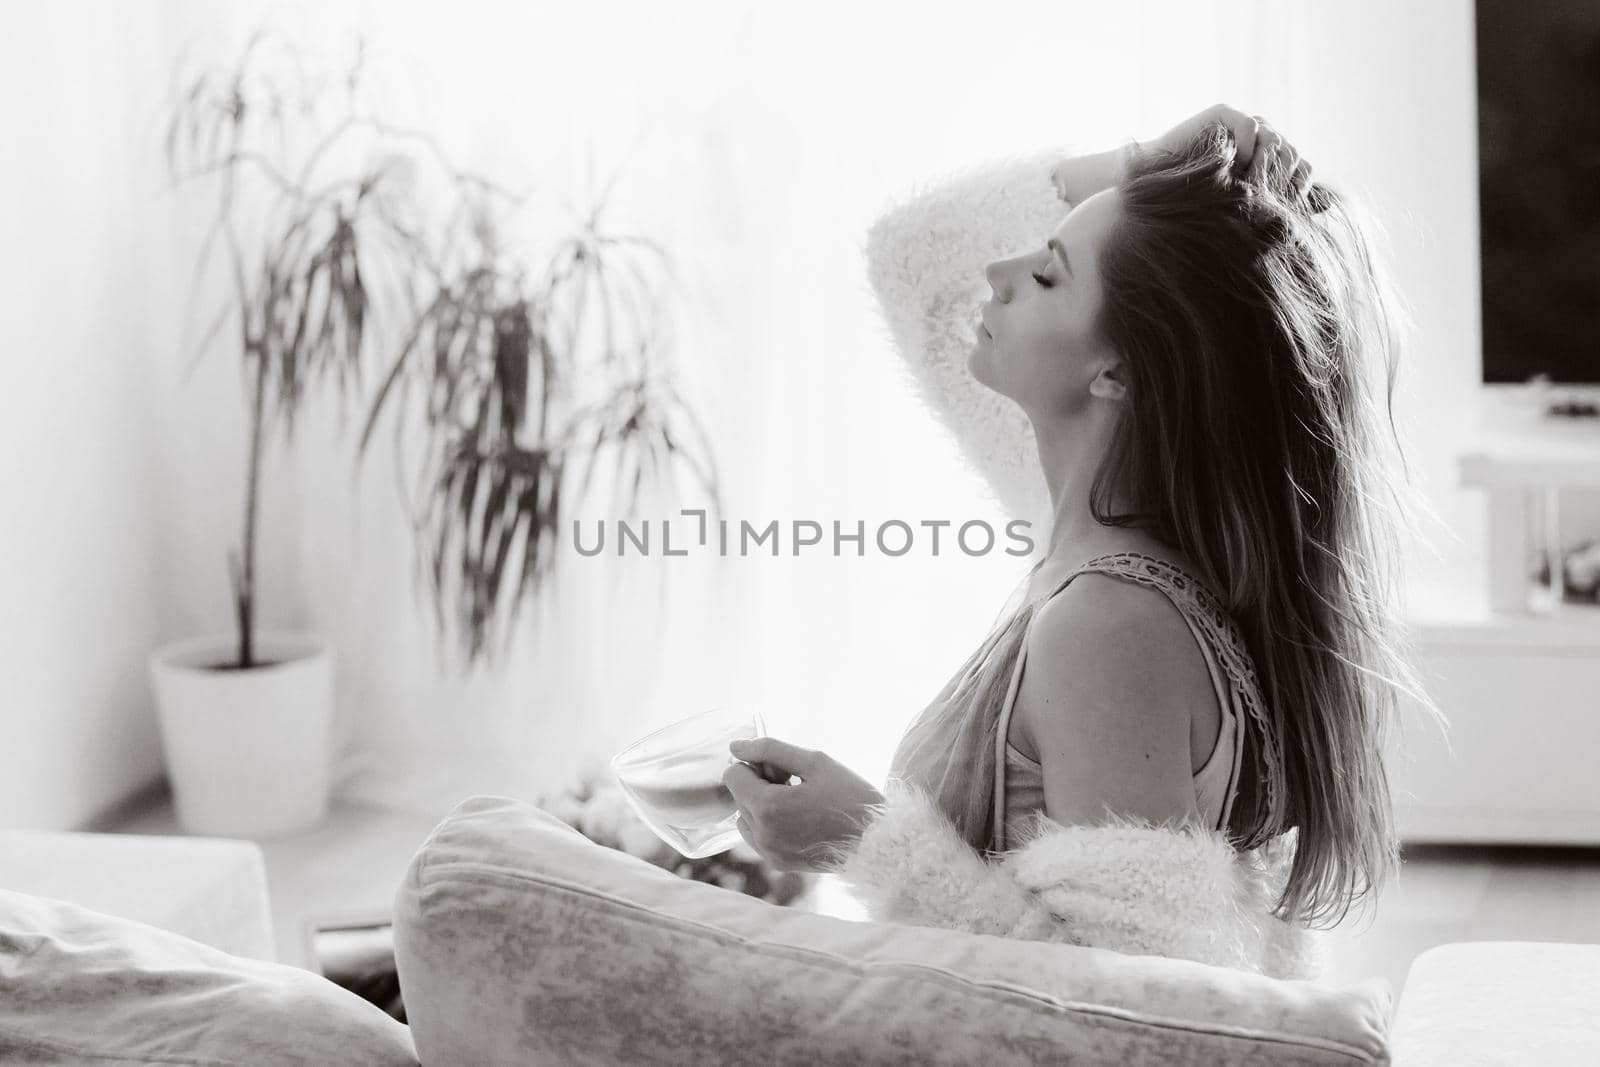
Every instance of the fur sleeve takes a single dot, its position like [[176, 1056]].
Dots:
[[911, 866], [925, 263], [1126, 886]]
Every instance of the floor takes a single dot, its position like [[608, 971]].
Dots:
[[1470, 893]]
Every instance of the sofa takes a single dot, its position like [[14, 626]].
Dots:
[[519, 941]]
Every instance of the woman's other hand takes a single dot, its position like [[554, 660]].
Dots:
[[796, 827], [1271, 148], [1244, 127], [1256, 145]]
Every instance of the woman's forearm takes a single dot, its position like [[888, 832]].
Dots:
[[1077, 178], [925, 259], [911, 866], [925, 263]]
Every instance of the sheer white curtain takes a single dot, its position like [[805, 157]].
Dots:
[[852, 112], [758, 143]]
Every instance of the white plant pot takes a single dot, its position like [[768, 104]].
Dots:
[[248, 752]]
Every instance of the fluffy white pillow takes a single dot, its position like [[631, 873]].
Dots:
[[78, 987]]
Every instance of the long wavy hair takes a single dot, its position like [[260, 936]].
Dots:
[[1260, 336]]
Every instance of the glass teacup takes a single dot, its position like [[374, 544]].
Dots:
[[673, 779]]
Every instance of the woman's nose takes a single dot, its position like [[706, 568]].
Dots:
[[998, 277]]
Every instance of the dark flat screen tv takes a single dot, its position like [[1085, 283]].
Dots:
[[1539, 188]]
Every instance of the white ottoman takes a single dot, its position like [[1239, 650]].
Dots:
[[1500, 1002], [209, 889]]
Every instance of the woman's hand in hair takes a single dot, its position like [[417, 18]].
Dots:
[[1244, 128], [1271, 146], [1256, 145]]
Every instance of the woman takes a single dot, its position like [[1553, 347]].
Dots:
[[1172, 742]]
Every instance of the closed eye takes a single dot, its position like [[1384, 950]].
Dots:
[[1044, 283]]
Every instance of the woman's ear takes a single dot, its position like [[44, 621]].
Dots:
[[1107, 383]]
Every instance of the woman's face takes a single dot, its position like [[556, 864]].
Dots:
[[1037, 343]]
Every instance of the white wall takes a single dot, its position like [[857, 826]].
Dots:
[[121, 478], [758, 145], [78, 574], [1391, 94]]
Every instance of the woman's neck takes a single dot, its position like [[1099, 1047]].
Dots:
[[1070, 453]]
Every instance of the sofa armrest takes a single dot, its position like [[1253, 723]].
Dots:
[[1483, 1002], [210, 890], [519, 940]]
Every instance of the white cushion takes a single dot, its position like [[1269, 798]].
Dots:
[[209, 889], [78, 987], [520, 941], [1498, 1002]]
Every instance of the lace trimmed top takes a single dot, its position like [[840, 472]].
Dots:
[[1019, 781], [957, 749]]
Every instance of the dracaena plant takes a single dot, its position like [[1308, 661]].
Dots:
[[512, 407], [531, 381], [303, 239]]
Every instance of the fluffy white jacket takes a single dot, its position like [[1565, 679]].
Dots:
[[1129, 887], [1125, 886]]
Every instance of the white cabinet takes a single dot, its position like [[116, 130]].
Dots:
[[1518, 675], [1520, 763]]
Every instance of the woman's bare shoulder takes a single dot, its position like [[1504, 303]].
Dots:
[[1113, 661], [1107, 699], [1099, 614]]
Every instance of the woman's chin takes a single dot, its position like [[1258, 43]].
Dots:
[[978, 363]]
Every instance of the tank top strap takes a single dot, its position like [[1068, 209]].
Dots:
[[1203, 608], [1200, 605]]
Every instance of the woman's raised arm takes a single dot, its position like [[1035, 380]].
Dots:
[[925, 261]]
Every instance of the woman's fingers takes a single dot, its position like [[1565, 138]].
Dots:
[[1245, 130], [775, 775], [1247, 139], [1273, 150], [1300, 181], [1266, 143], [780, 756], [744, 783], [1257, 170], [1241, 125]]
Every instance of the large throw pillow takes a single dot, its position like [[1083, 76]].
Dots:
[[520, 941], [78, 987]]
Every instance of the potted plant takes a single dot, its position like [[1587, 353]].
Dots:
[[529, 382], [246, 716], [516, 407]]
